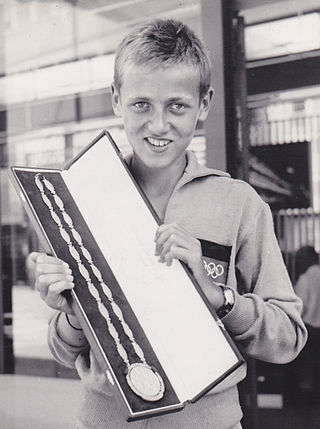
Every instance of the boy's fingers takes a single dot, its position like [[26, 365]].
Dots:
[[43, 258], [52, 268], [186, 255], [54, 297], [51, 294], [176, 237], [33, 256], [57, 288], [49, 279], [170, 234], [165, 227], [39, 257], [176, 252], [46, 280], [173, 240]]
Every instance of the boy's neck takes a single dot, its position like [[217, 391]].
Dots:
[[158, 183]]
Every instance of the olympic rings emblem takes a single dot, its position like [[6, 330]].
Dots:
[[213, 270]]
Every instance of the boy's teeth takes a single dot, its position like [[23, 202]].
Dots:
[[158, 142]]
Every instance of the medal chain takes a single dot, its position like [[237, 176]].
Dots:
[[42, 183]]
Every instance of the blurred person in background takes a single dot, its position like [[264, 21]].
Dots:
[[307, 287]]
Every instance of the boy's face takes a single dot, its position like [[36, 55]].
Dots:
[[160, 108]]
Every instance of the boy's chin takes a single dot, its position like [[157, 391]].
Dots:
[[162, 162]]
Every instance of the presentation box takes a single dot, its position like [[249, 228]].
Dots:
[[150, 325]]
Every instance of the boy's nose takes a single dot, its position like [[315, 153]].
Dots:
[[159, 123]]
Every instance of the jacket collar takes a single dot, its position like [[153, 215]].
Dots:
[[194, 169]]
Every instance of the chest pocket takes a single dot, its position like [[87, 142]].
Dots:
[[216, 259]]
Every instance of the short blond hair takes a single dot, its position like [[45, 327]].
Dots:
[[163, 43]]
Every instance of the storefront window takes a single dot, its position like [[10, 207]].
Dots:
[[56, 66]]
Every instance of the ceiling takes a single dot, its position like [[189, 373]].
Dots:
[[35, 33], [253, 10], [130, 10]]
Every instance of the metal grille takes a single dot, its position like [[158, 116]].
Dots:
[[294, 227], [291, 130]]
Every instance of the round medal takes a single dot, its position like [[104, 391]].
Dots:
[[145, 382]]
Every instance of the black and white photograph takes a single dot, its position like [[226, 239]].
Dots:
[[159, 214]]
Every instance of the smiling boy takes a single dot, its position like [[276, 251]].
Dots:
[[217, 225], [160, 107]]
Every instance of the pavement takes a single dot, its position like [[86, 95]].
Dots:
[[38, 402], [30, 323]]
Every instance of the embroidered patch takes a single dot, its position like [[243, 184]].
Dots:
[[213, 270], [216, 258]]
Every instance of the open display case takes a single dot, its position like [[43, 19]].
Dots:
[[149, 325]]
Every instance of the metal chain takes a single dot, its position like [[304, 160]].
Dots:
[[42, 183]]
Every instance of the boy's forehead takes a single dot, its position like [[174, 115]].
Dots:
[[170, 72]]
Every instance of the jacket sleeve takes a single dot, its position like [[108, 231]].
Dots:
[[81, 358], [63, 353], [266, 319]]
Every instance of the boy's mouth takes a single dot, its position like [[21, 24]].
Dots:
[[158, 142]]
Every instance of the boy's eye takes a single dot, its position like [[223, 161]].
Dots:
[[178, 107], [141, 105]]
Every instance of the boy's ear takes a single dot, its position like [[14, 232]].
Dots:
[[115, 100], [205, 104]]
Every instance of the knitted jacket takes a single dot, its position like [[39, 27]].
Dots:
[[265, 321]]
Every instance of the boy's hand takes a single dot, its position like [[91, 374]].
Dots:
[[52, 277], [174, 242]]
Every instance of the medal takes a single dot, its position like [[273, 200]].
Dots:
[[142, 379], [145, 381]]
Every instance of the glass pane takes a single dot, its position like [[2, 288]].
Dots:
[[56, 67], [283, 37]]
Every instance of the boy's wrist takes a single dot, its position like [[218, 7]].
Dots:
[[68, 331], [228, 301], [213, 293], [73, 322]]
